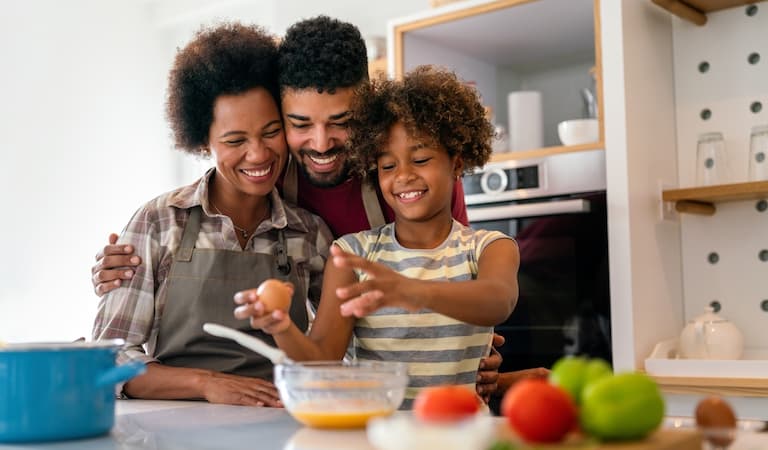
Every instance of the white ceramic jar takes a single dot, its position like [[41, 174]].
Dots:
[[710, 336]]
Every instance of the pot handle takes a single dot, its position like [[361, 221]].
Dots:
[[121, 373]]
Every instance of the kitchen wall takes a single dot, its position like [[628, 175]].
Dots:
[[84, 137]]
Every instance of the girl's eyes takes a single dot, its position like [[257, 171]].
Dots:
[[234, 142], [418, 162]]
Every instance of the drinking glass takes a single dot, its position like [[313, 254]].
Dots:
[[758, 150], [711, 162]]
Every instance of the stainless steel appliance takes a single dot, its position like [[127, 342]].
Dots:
[[555, 207]]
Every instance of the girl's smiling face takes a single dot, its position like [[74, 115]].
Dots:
[[416, 177]]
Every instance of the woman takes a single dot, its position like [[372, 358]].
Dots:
[[228, 231]]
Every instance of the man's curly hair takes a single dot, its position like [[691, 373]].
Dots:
[[433, 105], [227, 59], [322, 53]]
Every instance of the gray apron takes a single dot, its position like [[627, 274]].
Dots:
[[370, 200], [201, 285]]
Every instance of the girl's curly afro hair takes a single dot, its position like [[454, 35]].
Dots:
[[433, 105], [227, 59]]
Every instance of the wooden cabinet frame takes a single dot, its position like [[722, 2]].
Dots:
[[452, 14]]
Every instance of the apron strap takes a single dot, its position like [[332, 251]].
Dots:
[[189, 236], [291, 181], [281, 254], [372, 205]]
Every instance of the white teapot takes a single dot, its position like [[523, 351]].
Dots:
[[710, 336]]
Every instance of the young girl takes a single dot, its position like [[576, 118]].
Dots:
[[424, 289]]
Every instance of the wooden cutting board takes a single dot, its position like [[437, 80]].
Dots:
[[662, 439]]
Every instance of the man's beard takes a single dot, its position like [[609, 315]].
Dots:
[[325, 180]]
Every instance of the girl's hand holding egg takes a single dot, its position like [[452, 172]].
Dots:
[[266, 306], [275, 294]]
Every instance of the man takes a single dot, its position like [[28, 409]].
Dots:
[[321, 63]]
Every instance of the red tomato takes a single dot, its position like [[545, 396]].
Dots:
[[539, 411], [274, 294], [445, 403]]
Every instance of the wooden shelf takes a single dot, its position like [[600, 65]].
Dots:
[[738, 387], [546, 151], [701, 200], [695, 11]]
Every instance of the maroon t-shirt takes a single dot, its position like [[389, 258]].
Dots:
[[341, 207]]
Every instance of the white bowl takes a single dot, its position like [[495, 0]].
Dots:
[[578, 131]]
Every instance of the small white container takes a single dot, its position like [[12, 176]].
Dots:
[[525, 129], [578, 131]]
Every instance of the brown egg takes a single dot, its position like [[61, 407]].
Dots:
[[274, 294], [716, 419]]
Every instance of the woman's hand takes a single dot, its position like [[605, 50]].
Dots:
[[251, 308], [236, 390], [384, 287]]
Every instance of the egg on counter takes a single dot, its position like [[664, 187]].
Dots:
[[717, 421]]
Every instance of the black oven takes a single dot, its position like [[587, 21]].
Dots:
[[555, 207]]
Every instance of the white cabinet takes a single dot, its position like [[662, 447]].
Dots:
[[550, 46], [665, 268]]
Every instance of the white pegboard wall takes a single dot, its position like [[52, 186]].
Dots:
[[733, 46]]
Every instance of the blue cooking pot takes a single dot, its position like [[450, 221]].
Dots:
[[60, 391]]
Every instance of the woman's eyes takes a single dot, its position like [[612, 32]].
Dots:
[[421, 160], [234, 142], [272, 133]]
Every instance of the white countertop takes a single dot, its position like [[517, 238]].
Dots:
[[190, 425]]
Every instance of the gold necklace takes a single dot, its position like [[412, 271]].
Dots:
[[243, 231]]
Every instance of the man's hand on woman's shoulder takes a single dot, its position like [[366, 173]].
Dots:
[[114, 263]]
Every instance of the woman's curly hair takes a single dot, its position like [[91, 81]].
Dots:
[[433, 105], [322, 53], [227, 59]]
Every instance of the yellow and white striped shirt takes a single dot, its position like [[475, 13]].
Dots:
[[438, 349]]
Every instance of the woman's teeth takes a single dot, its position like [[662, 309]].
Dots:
[[257, 173]]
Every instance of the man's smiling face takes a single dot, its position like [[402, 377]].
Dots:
[[317, 131]]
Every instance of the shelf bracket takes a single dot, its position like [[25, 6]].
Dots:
[[682, 10], [695, 207]]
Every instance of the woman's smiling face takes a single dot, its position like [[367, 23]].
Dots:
[[247, 140], [416, 177]]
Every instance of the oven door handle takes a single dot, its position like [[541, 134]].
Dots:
[[514, 211]]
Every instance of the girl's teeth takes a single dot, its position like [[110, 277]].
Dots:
[[257, 173], [411, 194]]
